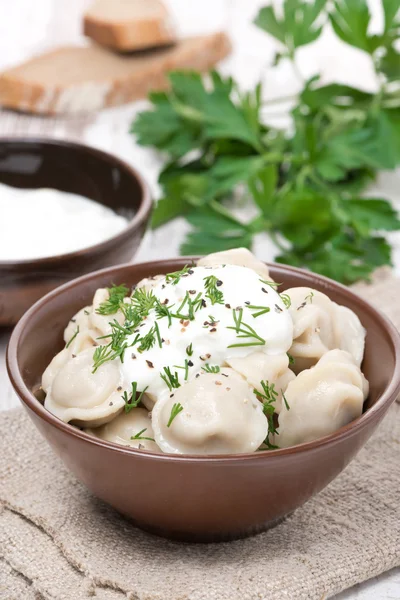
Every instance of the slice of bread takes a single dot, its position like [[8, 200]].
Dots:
[[75, 79], [129, 24]]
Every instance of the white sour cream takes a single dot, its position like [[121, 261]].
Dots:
[[209, 334], [46, 222]]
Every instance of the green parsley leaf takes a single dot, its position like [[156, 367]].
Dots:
[[369, 215], [298, 25], [350, 21], [305, 184]]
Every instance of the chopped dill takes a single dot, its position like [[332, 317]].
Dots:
[[186, 367], [176, 409], [139, 436], [211, 368], [286, 300], [73, 337], [171, 379], [261, 310], [133, 401], [212, 283], [245, 331], [175, 277], [117, 294]]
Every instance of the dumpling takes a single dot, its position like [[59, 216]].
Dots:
[[321, 325], [80, 320], [77, 343], [259, 367], [148, 283], [238, 256], [86, 398], [136, 424], [322, 399], [349, 332], [220, 415]]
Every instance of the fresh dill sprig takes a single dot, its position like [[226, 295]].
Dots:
[[212, 283], [148, 340], [211, 368], [73, 337], [133, 318], [237, 317], [261, 310], [133, 401], [101, 355], [171, 379], [189, 350], [143, 301], [139, 436], [116, 347], [176, 409], [193, 305], [268, 398], [245, 331], [162, 310], [186, 367], [175, 277], [117, 294]]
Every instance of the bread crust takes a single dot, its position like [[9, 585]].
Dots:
[[31, 87]]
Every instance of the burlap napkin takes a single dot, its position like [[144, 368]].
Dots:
[[61, 543]]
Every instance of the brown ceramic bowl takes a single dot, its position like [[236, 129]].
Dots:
[[191, 497], [34, 163]]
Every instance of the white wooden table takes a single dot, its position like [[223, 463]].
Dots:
[[28, 27]]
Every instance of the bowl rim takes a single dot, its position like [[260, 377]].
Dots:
[[29, 400], [140, 216]]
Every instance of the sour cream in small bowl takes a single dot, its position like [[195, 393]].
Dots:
[[65, 210]]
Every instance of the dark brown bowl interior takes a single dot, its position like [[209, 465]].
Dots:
[[70, 167], [213, 498]]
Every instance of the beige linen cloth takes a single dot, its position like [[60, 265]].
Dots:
[[60, 542]]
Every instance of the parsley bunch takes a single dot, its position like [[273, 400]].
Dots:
[[306, 182]]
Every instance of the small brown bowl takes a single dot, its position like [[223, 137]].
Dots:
[[35, 163], [191, 497]]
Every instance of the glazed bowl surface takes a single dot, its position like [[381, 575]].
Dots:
[[199, 498], [78, 169]]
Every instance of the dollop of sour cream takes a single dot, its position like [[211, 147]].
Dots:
[[249, 317], [46, 222]]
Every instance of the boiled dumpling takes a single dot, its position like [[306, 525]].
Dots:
[[86, 398], [136, 424], [238, 256], [322, 399], [259, 366], [220, 415], [79, 320], [77, 343], [321, 325], [148, 283], [349, 332]]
